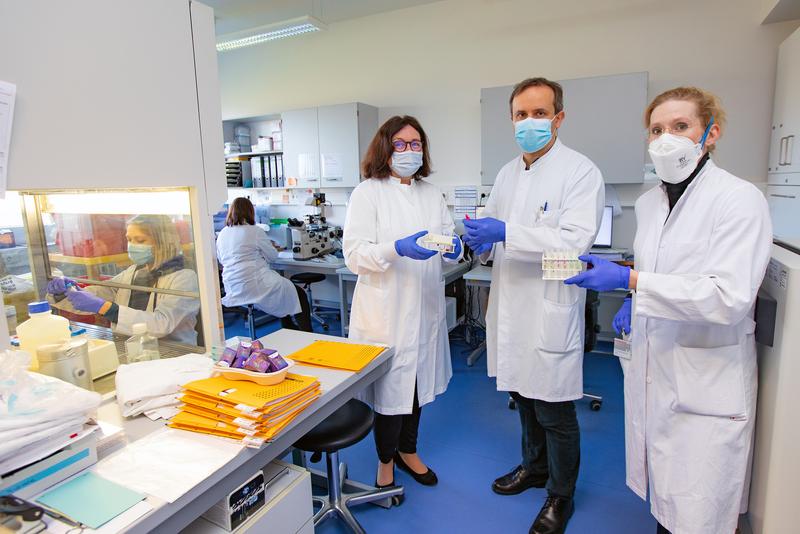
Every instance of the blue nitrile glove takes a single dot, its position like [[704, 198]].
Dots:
[[484, 230], [482, 249], [603, 276], [58, 286], [85, 301], [456, 251], [408, 247], [622, 320]]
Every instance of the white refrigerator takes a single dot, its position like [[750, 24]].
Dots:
[[776, 462]]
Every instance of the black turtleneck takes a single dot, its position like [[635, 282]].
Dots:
[[675, 191]]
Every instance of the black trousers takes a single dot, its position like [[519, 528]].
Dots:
[[551, 442], [661, 529], [302, 320], [397, 432]]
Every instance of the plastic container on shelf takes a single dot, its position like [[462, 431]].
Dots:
[[42, 328], [141, 346]]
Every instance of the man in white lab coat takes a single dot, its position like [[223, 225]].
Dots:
[[549, 198]]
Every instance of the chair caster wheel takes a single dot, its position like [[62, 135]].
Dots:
[[325, 328], [595, 405]]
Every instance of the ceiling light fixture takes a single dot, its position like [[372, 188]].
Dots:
[[263, 34]]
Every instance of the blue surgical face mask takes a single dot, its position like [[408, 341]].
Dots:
[[140, 254], [405, 164], [533, 134]]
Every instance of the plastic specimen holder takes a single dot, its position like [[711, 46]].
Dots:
[[437, 242], [560, 264]]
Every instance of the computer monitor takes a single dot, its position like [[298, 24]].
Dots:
[[604, 235]]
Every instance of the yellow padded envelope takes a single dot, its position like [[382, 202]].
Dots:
[[249, 396], [338, 355]]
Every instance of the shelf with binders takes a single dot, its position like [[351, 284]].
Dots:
[[256, 172], [249, 155]]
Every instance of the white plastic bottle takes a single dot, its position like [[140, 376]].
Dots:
[[141, 346], [42, 328]]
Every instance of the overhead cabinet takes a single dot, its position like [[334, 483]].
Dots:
[[784, 149], [324, 146]]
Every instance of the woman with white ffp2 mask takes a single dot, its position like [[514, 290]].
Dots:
[[703, 241]]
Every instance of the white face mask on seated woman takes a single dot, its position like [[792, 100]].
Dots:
[[675, 157]]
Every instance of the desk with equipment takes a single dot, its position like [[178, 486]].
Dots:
[[237, 467]]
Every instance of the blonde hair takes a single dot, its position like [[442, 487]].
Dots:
[[707, 104], [167, 242]]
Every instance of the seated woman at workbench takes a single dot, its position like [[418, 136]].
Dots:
[[154, 247], [245, 251]]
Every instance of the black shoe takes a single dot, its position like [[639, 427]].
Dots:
[[397, 500], [428, 478], [554, 516], [518, 481]]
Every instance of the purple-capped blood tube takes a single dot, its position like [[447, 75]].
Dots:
[[257, 362]]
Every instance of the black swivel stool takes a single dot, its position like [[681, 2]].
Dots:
[[304, 280], [345, 427]]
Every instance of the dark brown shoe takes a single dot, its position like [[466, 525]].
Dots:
[[518, 481], [554, 516]]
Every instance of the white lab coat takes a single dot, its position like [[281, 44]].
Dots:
[[245, 253], [399, 301], [168, 316], [690, 386], [534, 328]]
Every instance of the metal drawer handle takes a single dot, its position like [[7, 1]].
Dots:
[[781, 196]]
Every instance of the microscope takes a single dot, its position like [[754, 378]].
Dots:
[[313, 236]]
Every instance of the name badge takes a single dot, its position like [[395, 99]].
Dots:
[[622, 348]]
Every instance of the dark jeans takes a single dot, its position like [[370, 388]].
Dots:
[[397, 432], [551, 442], [661, 529], [302, 320]]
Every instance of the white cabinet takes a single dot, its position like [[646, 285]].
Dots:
[[323, 147], [784, 150], [301, 147]]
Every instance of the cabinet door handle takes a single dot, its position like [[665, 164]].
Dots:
[[781, 196], [781, 152], [789, 149]]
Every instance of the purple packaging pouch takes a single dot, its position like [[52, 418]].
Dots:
[[242, 353], [277, 362], [228, 355], [256, 345], [257, 362]]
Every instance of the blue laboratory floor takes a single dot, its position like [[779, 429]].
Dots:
[[470, 437]]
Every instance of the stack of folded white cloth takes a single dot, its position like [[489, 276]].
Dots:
[[37, 413], [153, 385]]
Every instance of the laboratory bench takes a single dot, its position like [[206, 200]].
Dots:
[[450, 273], [337, 388], [166, 348]]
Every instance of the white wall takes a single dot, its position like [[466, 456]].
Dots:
[[432, 60]]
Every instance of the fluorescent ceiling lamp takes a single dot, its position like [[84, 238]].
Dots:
[[289, 28]]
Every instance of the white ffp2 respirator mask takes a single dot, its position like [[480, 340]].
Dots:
[[676, 156]]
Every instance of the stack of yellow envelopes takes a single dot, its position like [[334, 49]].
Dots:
[[244, 410], [337, 355]]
